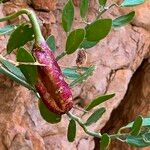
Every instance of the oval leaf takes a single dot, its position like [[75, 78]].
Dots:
[[13, 69], [30, 72], [102, 2], [84, 8], [20, 37], [145, 123], [95, 116], [12, 76], [83, 77], [74, 40], [138, 141], [129, 3], [122, 20], [105, 141], [135, 130], [98, 30], [146, 137], [71, 131], [87, 44], [68, 16], [47, 114], [7, 29], [73, 73], [51, 43], [98, 101]]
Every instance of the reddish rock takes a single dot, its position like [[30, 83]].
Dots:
[[45, 5], [117, 57]]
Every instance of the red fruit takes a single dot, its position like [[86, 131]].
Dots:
[[54, 91]]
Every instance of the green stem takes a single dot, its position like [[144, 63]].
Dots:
[[37, 31], [104, 10], [96, 134], [60, 56], [81, 123]]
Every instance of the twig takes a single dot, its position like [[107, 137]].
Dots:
[[60, 56], [81, 123], [119, 136], [105, 9], [80, 109]]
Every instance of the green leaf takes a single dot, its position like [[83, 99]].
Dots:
[[71, 73], [51, 43], [139, 141], [102, 2], [20, 37], [7, 29], [12, 68], [74, 72], [95, 32], [98, 101], [95, 116], [74, 40], [83, 77], [14, 77], [47, 114], [146, 137], [84, 8], [30, 72], [105, 141], [145, 123], [98, 30], [87, 44], [122, 20], [135, 130], [68, 16], [129, 3], [71, 131]]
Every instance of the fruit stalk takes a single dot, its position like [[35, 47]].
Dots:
[[52, 88]]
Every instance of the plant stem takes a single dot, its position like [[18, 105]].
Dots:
[[104, 10], [96, 134], [21, 63], [120, 136], [81, 123], [60, 56], [37, 31]]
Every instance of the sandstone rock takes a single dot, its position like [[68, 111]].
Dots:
[[117, 58], [45, 5]]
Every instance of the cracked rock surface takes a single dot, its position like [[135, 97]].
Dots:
[[117, 57]]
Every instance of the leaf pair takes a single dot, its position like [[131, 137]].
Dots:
[[99, 112], [142, 140], [74, 72], [92, 34], [136, 125], [82, 77], [138, 137]]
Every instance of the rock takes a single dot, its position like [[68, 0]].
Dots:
[[142, 13], [44, 5], [117, 57]]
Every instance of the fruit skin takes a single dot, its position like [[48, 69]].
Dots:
[[54, 91]]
